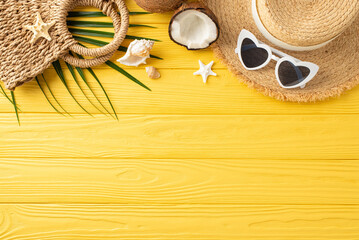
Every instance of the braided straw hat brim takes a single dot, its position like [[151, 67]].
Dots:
[[338, 61]]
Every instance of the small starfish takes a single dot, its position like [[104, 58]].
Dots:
[[205, 71], [40, 29]]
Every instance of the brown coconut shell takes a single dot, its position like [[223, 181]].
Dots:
[[198, 7], [159, 6]]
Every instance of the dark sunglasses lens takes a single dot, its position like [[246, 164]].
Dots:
[[291, 75], [252, 56]]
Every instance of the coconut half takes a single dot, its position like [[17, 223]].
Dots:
[[194, 26]]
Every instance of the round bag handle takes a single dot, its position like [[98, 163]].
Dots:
[[102, 54], [86, 63]]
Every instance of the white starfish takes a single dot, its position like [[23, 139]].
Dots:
[[40, 29], [205, 71]]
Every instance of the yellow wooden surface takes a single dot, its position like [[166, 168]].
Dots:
[[185, 161]]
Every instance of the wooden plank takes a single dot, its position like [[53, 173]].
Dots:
[[194, 222], [177, 92], [174, 181], [181, 136]]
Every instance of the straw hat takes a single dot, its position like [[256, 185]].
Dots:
[[324, 32]]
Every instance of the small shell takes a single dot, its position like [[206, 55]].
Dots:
[[137, 53], [153, 73]]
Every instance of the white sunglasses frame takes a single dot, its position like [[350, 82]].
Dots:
[[245, 34]]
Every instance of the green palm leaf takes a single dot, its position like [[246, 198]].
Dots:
[[61, 75], [139, 13], [81, 73], [103, 89], [95, 33], [100, 24], [7, 97], [14, 101], [53, 96], [72, 71], [48, 100], [126, 74], [100, 84], [99, 14]]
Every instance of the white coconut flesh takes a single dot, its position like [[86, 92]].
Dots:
[[194, 29]]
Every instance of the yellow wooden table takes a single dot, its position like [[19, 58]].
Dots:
[[185, 161]]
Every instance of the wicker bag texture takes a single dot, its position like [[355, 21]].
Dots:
[[22, 59]]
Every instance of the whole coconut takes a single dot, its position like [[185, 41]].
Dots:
[[159, 6]]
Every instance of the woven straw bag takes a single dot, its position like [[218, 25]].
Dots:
[[21, 60]]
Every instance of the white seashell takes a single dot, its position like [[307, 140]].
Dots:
[[137, 53], [153, 73]]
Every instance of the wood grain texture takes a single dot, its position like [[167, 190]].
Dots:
[[178, 181], [230, 222], [183, 94], [284, 137]]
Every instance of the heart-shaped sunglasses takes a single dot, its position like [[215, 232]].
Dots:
[[290, 72]]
